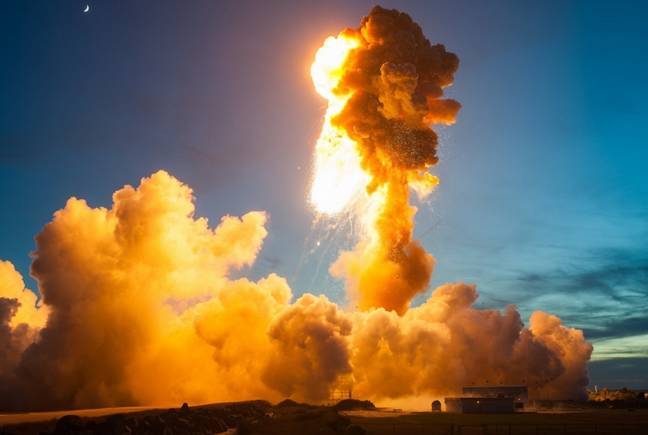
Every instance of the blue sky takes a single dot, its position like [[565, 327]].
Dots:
[[544, 194]]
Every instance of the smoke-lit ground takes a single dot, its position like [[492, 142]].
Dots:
[[138, 306]]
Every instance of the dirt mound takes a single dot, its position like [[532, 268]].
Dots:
[[353, 404], [288, 403]]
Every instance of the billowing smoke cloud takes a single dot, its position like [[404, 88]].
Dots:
[[311, 347], [21, 317], [127, 289], [446, 343], [395, 79], [28, 310], [390, 86], [141, 311]]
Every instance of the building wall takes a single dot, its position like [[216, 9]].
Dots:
[[480, 405], [453, 405], [518, 392]]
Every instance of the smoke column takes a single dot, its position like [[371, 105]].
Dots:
[[384, 83], [138, 305]]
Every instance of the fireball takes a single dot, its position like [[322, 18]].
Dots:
[[338, 177]]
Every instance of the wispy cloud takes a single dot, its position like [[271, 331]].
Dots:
[[607, 295], [635, 346]]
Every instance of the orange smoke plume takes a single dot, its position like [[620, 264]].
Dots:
[[384, 82]]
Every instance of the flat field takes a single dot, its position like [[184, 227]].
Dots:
[[604, 421], [262, 418]]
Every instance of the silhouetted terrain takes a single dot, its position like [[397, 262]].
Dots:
[[357, 418], [257, 417]]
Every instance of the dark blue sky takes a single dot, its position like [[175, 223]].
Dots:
[[544, 194]]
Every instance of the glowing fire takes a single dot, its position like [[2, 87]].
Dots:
[[338, 177]]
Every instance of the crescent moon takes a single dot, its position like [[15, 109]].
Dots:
[[87, 9]]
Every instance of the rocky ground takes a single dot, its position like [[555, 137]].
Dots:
[[243, 418]]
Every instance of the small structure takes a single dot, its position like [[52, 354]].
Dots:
[[436, 406], [480, 405], [519, 392], [489, 399], [341, 390]]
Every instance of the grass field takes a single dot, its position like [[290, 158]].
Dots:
[[609, 422]]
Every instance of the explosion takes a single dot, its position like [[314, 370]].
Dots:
[[339, 177], [384, 83], [138, 306]]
